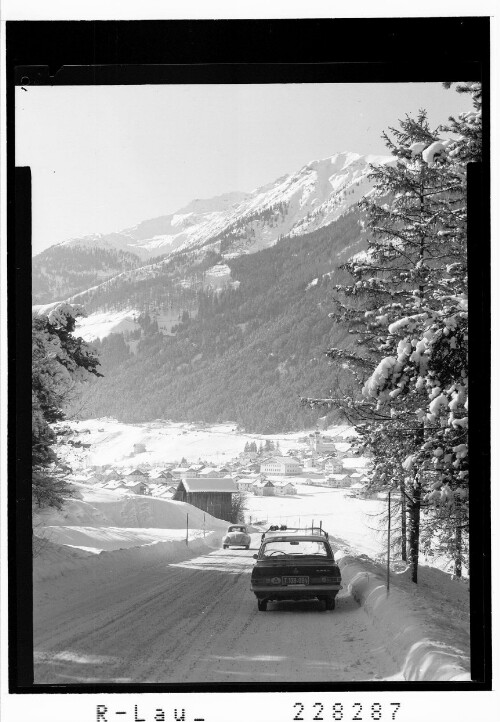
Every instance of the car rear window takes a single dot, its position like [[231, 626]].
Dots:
[[294, 547]]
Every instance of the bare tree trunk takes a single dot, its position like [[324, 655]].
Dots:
[[458, 543], [404, 540], [414, 527], [414, 514]]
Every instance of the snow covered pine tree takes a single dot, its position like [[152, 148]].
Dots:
[[59, 360], [407, 306]]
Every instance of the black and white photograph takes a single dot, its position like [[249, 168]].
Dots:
[[250, 378]]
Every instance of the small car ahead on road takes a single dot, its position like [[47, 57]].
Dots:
[[295, 565], [236, 536]]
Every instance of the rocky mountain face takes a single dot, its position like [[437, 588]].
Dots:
[[219, 311], [227, 225]]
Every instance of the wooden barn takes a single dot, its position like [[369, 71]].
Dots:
[[213, 495]]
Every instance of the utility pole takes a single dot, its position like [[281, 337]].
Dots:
[[187, 529], [388, 538]]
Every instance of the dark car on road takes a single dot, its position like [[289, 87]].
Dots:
[[295, 565]]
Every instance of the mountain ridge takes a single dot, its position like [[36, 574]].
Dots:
[[345, 168]]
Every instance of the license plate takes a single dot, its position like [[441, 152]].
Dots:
[[296, 580]]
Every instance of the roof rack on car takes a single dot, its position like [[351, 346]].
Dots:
[[295, 530]]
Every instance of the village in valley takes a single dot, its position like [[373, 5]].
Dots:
[[262, 468]]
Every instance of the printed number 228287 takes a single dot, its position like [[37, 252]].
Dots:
[[355, 712]]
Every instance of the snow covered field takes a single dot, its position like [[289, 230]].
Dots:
[[354, 522], [112, 442]]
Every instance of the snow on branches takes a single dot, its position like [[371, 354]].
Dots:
[[59, 360], [407, 309]]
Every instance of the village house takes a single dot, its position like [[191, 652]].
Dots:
[[165, 477], [338, 481], [110, 474], [333, 465], [264, 487], [139, 448], [282, 487], [245, 484], [136, 475], [178, 472], [190, 472], [210, 472], [213, 495], [316, 480], [114, 484], [281, 466], [319, 463], [358, 489], [164, 492], [137, 487]]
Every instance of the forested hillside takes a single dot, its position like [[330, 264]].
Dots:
[[248, 353], [62, 271]]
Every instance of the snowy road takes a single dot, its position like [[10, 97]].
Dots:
[[197, 621]]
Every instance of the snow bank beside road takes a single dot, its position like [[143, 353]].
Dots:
[[422, 636], [111, 530], [57, 561]]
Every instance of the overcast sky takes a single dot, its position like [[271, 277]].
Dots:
[[107, 157]]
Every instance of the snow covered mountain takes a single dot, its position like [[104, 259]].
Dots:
[[238, 282], [236, 223]]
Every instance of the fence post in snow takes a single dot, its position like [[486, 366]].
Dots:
[[203, 524], [187, 529]]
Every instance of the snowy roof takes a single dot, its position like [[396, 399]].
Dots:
[[114, 484], [281, 482], [282, 460], [136, 472], [214, 484]]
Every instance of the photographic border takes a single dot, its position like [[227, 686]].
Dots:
[[236, 51]]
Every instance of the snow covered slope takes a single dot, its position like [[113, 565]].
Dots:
[[112, 442], [294, 204], [104, 520]]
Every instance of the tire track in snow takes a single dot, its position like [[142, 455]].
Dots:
[[197, 621]]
